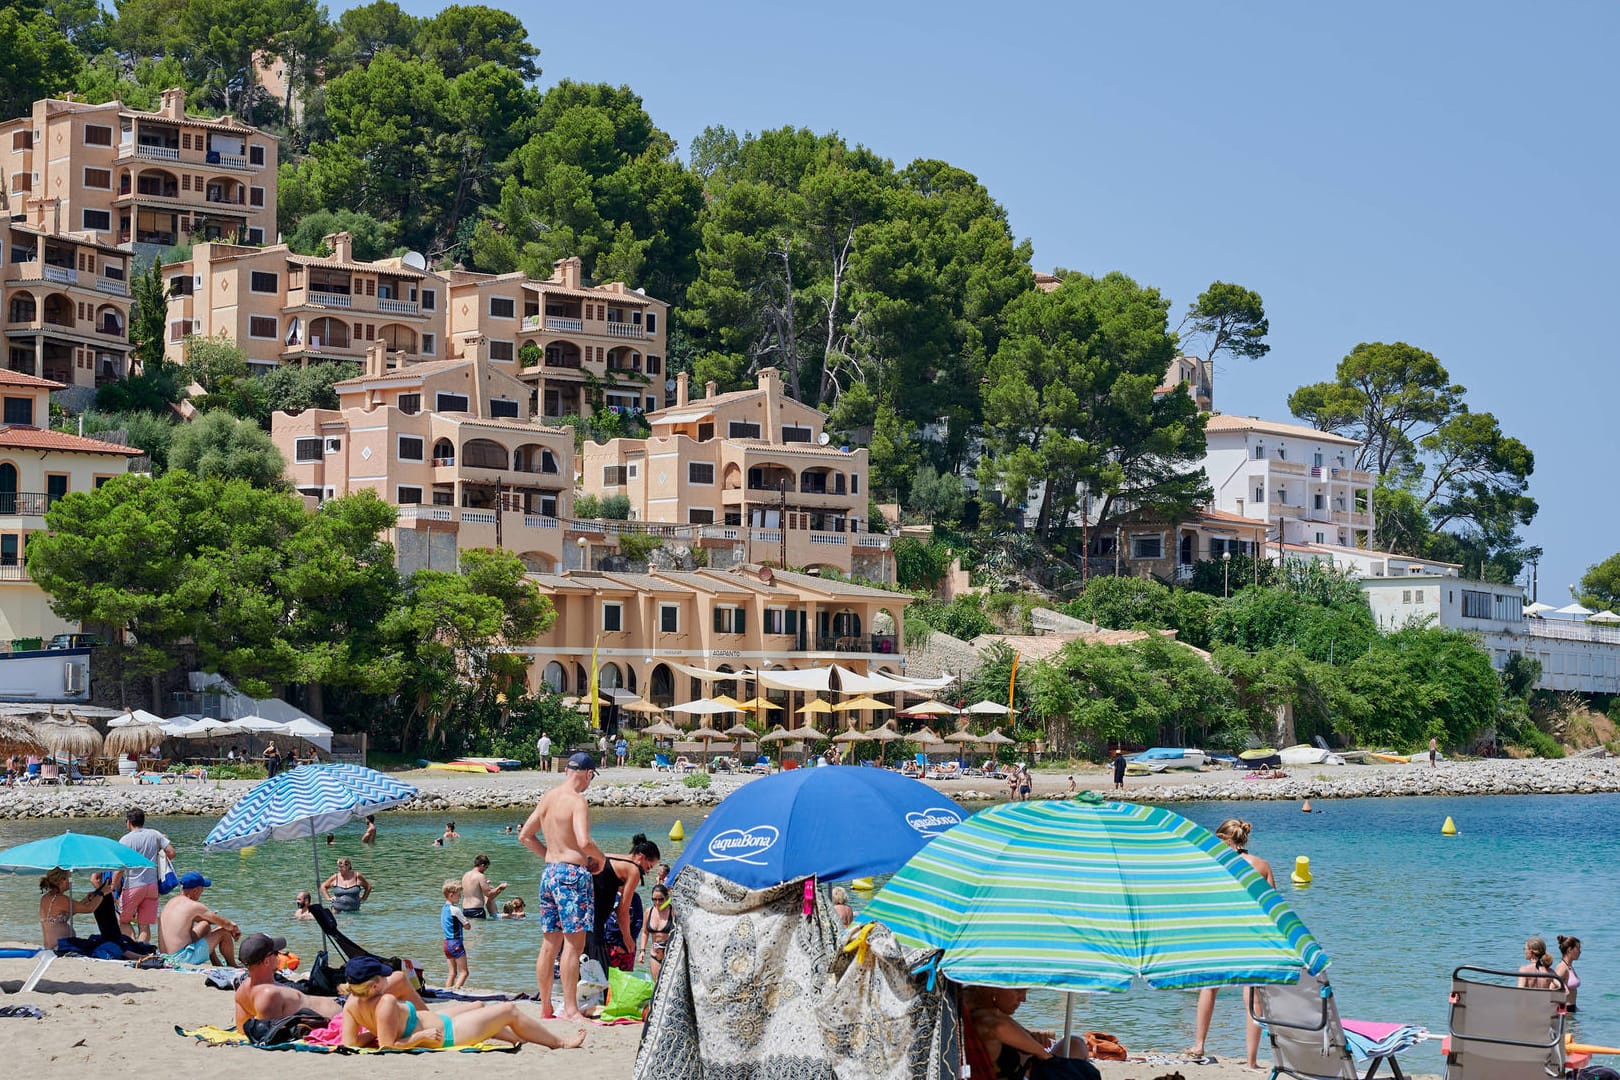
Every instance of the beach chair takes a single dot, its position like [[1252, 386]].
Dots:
[[922, 762], [762, 764], [1310, 1041], [661, 763], [1499, 1030], [946, 770], [78, 777], [684, 764], [42, 960]]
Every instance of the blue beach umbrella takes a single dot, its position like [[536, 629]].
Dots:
[[306, 801], [833, 823], [1090, 895], [71, 851]]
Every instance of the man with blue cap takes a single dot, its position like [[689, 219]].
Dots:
[[559, 831], [191, 932]]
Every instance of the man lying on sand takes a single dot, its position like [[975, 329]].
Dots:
[[187, 928], [261, 997]]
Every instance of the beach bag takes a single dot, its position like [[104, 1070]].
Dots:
[[1104, 1047], [168, 880], [627, 995], [323, 979]]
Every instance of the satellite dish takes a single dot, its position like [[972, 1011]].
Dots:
[[414, 260], [825, 439], [669, 386]]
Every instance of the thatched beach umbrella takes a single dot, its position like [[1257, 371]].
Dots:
[[645, 708], [17, 736], [133, 739], [69, 736], [661, 730], [707, 735]]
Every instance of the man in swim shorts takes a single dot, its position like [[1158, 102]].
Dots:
[[559, 831]]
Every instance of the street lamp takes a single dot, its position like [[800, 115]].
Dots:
[[584, 553], [1226, 574]]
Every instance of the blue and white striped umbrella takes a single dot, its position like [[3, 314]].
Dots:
[[305, 801]]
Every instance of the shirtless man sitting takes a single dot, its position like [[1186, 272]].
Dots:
[[261, 997], [559, 831], [189, 928]]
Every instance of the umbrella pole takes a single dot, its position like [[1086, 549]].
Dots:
[[1068, 1020], [315, 850]]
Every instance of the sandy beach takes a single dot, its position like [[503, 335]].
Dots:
[[108, 1019]]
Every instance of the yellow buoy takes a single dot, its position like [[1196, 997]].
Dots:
[[862, 884], [1302, 870], [245, 852], [677, 833], [1449, 828]]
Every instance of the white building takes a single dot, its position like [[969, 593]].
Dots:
[[1573, 655], [1297, 479], [1367, 563]]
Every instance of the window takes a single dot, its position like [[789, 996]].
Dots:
[[430, 345], [1147, 547], [700, 472], [740, 429], [669, 618], [613, 476], [97, 135], [1260, 452], [265, 282], [307, 450], [612, 618], [98, 178], [430, 299], [1317, 502], [1320, 539], [177, 330], [1316, 459], [256, 196], [854, 483], [97, 220], [19, 410], [22, 140], [781, 621], [411, 448], [1418, 596], [695, 516], [408, 496], [22, 181], [410, 403], [1282, 496], [1259, 494], [655, 366], [451, 403], [501, 350], [10, 549], [795, 433], [255, 155], [56, 486], [730, 620], [262, 326], [501, 307], [503, 407], [652, 323], [1406, 596]]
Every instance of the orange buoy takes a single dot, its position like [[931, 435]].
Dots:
[[1307, 807]]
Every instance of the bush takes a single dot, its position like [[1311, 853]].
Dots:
[[237, 772], [637, 547], [642, 752], [1539, 743], [697, 781]]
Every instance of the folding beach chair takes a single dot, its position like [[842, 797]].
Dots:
[[661, 763], [1499, 1030], [761, 765], [42, 960], [1309, 1040]]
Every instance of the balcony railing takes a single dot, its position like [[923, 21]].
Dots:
[[478, 517], [620, 329], [108, 285], [14, 572], [830, 538], [867, 643], [230, 161], [315, 298], [24, 503], [871, 540], [64, 274], [540, 521], [560, 322], [411, 513], [157, 153], [397, 307], [563, 361]]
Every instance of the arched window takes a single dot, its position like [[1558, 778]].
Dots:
[[555, 678]]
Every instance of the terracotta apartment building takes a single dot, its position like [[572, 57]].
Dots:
[[453, 444], [65, 298], [142, 178], [579, 347], [281, 307], [751, 476]]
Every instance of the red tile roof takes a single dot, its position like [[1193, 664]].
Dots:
[[18, 378], [33, 438]]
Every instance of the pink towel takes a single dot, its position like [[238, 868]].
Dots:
[[1371, 1030], [330, 1035]]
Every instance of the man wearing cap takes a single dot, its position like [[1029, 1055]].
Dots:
[[261, 997], [190, 931], [559, 831]]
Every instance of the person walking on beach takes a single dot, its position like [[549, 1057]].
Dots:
[[138, 902], [1119, 770], [542, 746], [655, 931], [1434, 751], [477, 894], [1236, 834], [1569, 951], [453, 922], [559, 831], [621, 751]]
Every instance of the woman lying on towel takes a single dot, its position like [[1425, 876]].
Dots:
[[401, 1025]]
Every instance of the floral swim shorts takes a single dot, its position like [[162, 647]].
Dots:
[[567, 899]]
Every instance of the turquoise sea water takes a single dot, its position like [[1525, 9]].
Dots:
[[1395, 904]]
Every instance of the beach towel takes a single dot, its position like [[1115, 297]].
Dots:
[[1369, 1039], [753, 966], [880, 1021], [218, 1036]]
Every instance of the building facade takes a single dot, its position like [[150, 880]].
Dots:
[[147, 179], [1148, 545], [65, 296], [645, 628], [453, 445], [752, 476], [580, 348], [285, 308], [1299, 480], [37, 467]]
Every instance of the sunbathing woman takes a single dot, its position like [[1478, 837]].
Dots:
[[1236, 835], [401, 1025]]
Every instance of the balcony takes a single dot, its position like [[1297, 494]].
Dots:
[[412, 513], [24, 503], [872, 540], [229, 161], [1286, 468], [563, 323], [316, 298], [478, 517], [620, 329], [157, 153], [64, 274], [397, 307], [829, 539], [14, 572], [109, 285], [857, 643], [540, 521]]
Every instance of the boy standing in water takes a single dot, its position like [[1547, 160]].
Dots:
[[453, 922]]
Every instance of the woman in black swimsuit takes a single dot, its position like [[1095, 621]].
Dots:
[[656, 929], [609, 942]]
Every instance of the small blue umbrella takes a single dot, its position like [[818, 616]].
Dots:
[[834, 823], [306, 801], [71, 851]]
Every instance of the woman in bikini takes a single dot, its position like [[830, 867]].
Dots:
[[1236, 835], [1537, 966], [1569, 951], [391, 1022], [655, 930], [57, 906]]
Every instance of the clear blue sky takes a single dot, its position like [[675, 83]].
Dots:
[[1430, 173]]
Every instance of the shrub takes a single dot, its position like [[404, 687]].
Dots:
[[1539, 743], [697, 781], [642, 752], [237, 772], [637, 546]]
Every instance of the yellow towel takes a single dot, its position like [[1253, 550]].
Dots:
[[218, 1036]]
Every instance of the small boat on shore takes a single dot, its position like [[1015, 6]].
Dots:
[[1308, 755], [1390, 759], [1160, 758]]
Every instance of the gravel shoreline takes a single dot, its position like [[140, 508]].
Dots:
[[629, 788]]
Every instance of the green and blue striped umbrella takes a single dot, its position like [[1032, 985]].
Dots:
[[1088, 895]]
